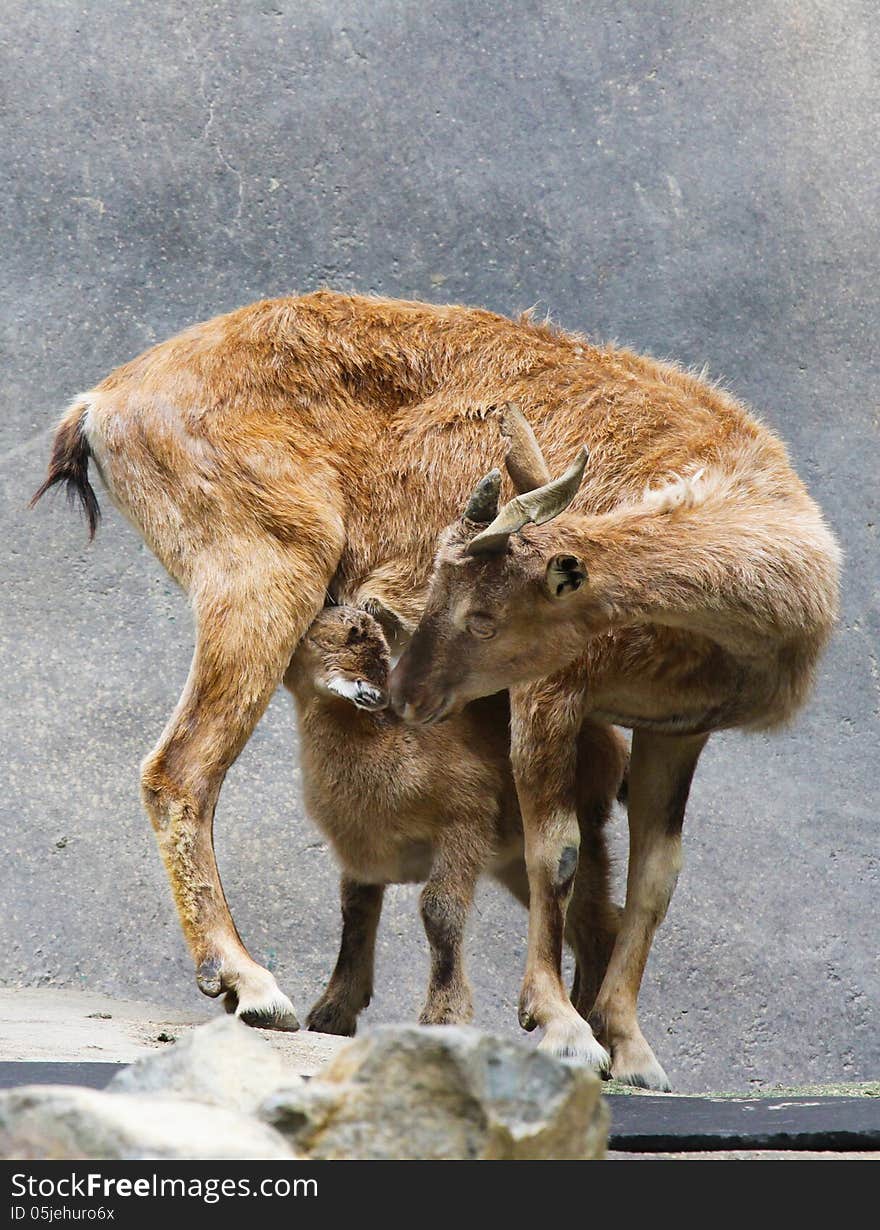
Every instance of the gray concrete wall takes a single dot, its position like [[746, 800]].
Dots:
[[695, 179]]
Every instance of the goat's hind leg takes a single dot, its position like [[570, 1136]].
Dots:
[[593, 920], [660, 777], [445, 903], [249, 618], [351, 985]]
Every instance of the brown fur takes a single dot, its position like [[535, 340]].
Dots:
[[436, 805], [326, 439]]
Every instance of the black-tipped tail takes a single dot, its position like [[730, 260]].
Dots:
[[70, 464]]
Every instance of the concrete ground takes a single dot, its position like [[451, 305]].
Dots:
[[41, 1025], [696, 180]]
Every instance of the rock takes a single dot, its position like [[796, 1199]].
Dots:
[[223, 1063], [443, 1092], [300, 1112], [67, 1122]]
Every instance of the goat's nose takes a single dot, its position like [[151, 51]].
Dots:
[[404, 701], [367, 696]]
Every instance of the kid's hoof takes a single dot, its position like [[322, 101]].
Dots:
[[574, 1042], [447, 1014], [330, 1018]]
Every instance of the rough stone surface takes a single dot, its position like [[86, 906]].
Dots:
[[223, 1063], [443, 1093], [695, 180], [65, 1122]]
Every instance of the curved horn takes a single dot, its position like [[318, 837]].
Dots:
[[483, 504], [525, 461], [536, 507]]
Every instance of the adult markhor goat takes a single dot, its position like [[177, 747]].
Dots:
[[326, 440]]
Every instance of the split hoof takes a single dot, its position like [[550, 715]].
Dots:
[[574, 1041], [647, 1077], [332, 1018], [252, 995], [635, 1064], [276, 1013]]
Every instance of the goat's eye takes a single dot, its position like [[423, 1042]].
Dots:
[[480, 625]]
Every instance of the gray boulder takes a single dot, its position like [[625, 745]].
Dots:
[[443, 1092], [66, 1122], [223, 1063]]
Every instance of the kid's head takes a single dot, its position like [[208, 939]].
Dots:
[[347, 655]]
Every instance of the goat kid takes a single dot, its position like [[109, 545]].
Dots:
[[434, 805]]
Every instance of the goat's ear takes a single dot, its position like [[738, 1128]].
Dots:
[[565, 574], [391, 622]]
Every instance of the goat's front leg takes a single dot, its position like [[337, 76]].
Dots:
[[445, 904], [661, 769], [249, 618], [545, 719], [350, 988]]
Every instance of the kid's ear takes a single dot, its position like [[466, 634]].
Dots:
[[391, 621], [565, 574]]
